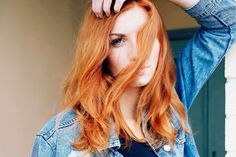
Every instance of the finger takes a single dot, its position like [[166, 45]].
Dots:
[[93, 7], [118, 5], [97, 7], [107, 6]]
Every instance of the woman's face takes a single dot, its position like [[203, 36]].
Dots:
[[123, 45]]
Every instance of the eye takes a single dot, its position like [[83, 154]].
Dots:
[[117, 42]]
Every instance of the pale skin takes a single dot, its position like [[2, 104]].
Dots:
[[123, 51]]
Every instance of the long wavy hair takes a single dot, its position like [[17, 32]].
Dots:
[[93, 93]]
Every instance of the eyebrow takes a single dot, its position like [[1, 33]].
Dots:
[[117, 34]]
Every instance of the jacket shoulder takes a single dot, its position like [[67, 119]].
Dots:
[[58, 122], [57, 135]]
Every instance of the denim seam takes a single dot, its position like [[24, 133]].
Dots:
[[209, 9], [67, 123], [227, 47], [47, 143], [214, 67], [183, 77], [47, 134], [220, 58]]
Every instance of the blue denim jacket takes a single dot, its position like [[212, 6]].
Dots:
[[196, 62]]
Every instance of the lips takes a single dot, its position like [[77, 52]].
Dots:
[[142, 70]]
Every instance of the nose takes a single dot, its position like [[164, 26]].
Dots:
[[133, 50]]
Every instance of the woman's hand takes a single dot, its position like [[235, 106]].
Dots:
[[100, 6]]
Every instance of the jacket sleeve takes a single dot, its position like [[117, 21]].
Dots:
[[41, 148], [206, 49]]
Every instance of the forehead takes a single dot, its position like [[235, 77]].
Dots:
[[130, 21]]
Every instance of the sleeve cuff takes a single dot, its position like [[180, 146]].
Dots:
[[203, 8]]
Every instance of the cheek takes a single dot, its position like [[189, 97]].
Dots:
[[117, 59], [155, 53]]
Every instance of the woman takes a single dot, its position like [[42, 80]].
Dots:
[[125, 87]]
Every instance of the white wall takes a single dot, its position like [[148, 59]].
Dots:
[[36, 39], [230, 106]]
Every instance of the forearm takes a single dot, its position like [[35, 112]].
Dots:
[[185, 4], [206, 49]]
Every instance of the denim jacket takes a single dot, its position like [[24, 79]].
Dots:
[[196, 62]]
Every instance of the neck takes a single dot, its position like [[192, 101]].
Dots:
[[128, 102]]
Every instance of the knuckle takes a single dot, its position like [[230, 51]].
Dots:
[[96, 10], [116, 10], [106, 11], [93, 10]]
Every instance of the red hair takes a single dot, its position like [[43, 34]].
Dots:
[[94, 94]]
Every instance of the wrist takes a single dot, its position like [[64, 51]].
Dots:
[[185, 4]]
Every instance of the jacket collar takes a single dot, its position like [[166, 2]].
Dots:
[[114, 141], [114, 138]]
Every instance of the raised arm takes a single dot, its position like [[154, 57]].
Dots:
[[185, 4], [203, 53]]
